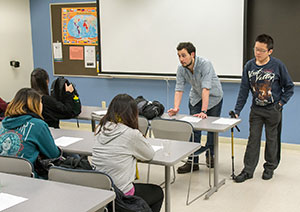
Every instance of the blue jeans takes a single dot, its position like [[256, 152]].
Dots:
[[214, 111]]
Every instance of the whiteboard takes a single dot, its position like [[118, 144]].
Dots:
[[141, 36]]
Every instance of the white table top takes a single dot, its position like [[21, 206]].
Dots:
[[178, 149], [45, 195], [206, 124]]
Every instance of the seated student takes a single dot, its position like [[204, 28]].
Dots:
[[3, 106], [53, 110], [24, 133], [119, 144]]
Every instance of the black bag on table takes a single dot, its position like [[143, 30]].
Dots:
[[149, 109]]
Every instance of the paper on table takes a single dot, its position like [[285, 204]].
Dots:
[[191, 119], [66, 141], [228, 121], [100, 112], [8, 200], [156, 148]]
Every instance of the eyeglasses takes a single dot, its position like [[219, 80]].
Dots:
[[260, 50]]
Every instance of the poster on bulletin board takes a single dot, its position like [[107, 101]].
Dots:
[[79, 26]]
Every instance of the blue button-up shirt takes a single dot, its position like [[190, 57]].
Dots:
[[204, 77]]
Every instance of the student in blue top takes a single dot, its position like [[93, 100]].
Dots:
[[24, 133], [271, 86], [206, 95]]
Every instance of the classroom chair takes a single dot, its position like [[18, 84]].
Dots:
[[16, 165], [143, 125], [89, 178], [182, 131]]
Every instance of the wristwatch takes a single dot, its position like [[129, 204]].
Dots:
[[203, 111]]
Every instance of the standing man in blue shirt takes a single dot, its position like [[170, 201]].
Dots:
[[206, 95], [271, 86]]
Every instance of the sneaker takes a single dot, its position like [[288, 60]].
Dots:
[[186, 168], [267, 175], [212, 162], [242, 177]]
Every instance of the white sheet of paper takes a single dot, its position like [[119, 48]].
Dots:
[[225, 121], [9, 200], [57, 51], [156, 148], [191, 119], [90, 56], [66, 141], [100, 112]]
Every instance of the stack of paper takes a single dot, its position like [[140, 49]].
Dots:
[[191, 119], [8, 200], [100, 112], [66, 141]]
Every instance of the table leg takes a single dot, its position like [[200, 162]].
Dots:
[[167, 189], [217, 184]]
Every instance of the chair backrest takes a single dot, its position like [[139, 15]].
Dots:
[[89, 178], [171, 129], [143, 124], [16, 165]]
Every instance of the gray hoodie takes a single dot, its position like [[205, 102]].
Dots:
[[115, 153]]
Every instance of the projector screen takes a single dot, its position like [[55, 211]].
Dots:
[[140, 37]]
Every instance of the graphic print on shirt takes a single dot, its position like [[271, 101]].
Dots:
[[11, 143], [261, 81]]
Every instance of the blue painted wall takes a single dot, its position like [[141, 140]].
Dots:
[[94, 90]]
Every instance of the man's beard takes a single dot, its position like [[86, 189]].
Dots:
[[186, 66]]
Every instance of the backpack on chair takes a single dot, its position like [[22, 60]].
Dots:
[[58, 91]]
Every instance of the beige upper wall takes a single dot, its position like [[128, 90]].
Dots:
[[16, 44]]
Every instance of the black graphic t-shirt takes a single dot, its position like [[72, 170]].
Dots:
[[261, 81]]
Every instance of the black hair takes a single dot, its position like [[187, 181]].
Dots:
[[188, 46], [38, 80], [267, 39], [122, 109]]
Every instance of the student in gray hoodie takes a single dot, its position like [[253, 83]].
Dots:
[[119, 144]]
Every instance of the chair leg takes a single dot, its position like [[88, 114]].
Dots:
[[189, 186], [190, 181], [174, 175], [173, 181]]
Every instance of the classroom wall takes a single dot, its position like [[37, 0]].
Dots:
[[94, 90], [16, 44]]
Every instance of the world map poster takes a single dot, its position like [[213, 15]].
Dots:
[[79, 26]]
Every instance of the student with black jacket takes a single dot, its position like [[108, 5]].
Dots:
[[53, 110]]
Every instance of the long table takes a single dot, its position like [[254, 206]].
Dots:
[[45, 195], [178, 150], [208, 125]]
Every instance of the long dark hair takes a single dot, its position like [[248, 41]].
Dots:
[[122, 109], [39, 81]]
